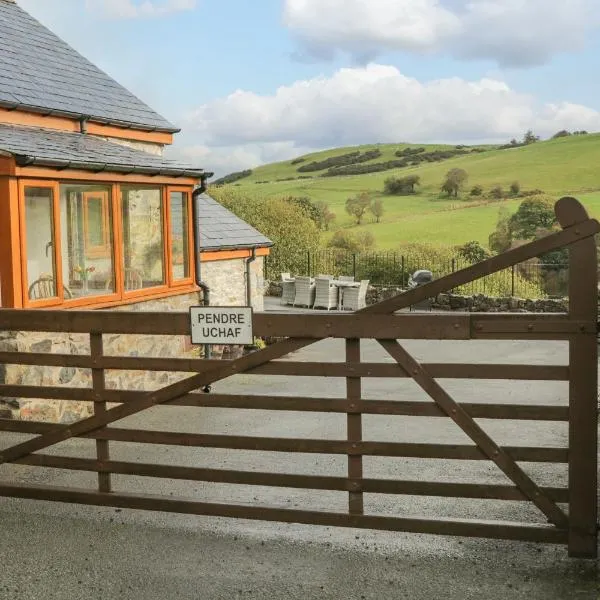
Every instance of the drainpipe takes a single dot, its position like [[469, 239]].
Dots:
[[197, 265], [249, 261]]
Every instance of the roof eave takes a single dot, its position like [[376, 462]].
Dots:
[[30, 161], [236, 247], [94, 119]]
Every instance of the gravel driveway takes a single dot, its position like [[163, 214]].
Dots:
[[70, 552]]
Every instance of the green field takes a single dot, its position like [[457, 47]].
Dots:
[[558, 167]]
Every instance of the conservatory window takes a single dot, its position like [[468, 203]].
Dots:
[[87, 240], [143, 238]]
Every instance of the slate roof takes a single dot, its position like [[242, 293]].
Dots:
[[58, 149], [41, 72], [220, 229]]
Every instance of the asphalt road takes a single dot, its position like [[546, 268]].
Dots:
[[56, 551]]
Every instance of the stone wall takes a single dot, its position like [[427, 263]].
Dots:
[[477, 303], [150, 147], [227, 282]]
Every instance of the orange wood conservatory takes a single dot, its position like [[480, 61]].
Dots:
[[87, 222]]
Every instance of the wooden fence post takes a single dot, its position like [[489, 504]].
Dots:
[[98, 383], [583, 389], [354, 430]]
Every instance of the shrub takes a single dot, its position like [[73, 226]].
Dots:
[[343, 239], [356, 169], [286, 224], [535, 192], [515, 188], [297, 161], [401, 186], [472, 252], [339, 161], [439, 260], [476, 190], [561, 133], [497, 193]]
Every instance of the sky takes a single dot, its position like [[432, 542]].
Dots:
[[256, 81]]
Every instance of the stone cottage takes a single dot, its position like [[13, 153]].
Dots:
[[92, 216]]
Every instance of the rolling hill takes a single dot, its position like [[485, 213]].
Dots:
[[568, 165]]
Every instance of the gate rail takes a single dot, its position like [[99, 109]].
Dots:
[[575, 527]]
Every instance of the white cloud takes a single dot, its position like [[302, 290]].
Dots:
[[222, 160], [130, 9], [370, 104], [510, 32]]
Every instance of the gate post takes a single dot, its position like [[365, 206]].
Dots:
[[583, 387]]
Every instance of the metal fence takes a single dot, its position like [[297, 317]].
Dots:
[[394, 269]]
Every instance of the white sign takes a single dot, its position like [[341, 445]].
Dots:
[[221, 325]]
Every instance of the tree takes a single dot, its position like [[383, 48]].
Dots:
[[377, 208], [533, 214], [472, 252], [515, 188], [325, 215], [501, 239], [530, 137], [285, 223], [306, 204], [476, 190], [561, 133], [455, 180], [357, 206]]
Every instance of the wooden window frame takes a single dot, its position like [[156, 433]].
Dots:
[[103, 249], [157, 289], [113, 214], [189, 280], [56, 249], [110, 296]]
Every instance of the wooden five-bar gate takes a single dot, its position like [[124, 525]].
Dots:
[[570, 511]]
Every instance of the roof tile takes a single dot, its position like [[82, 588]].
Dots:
[[220, 229], [48, 145], [39, 70]]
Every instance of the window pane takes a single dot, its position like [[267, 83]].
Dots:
[[39, 225], [87, 240], [95, 222], [143, 240], [180, 255]]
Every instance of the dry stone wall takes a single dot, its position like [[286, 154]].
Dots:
[[447, 301]]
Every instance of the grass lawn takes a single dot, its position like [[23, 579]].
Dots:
[[565, 166]]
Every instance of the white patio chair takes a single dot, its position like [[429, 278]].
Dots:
[[322, 276], [305, 292], [326, 294], [355, 298], [288, 292], [285, 276], [346, 277]]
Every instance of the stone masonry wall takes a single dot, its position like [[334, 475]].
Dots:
[[227, 282], [150, 147], [446, 302]]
